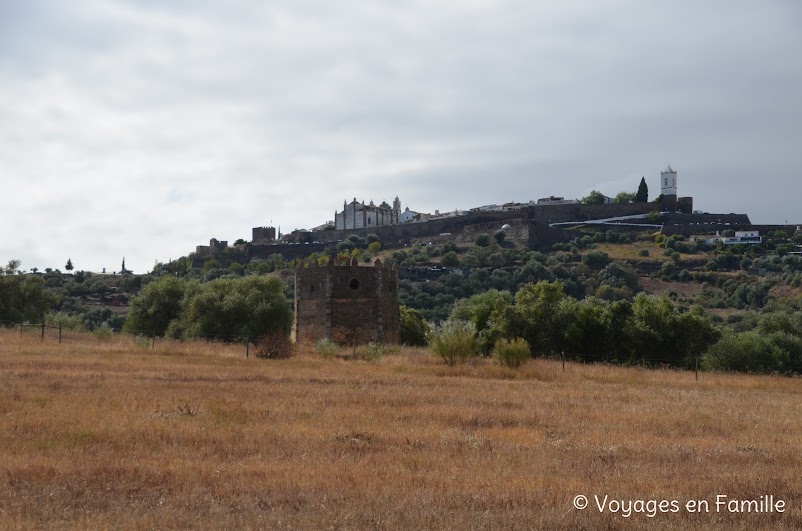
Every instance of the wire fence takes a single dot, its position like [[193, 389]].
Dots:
[[61, 334], [639, 361]]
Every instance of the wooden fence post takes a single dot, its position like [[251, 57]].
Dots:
[[247, 347], [43, 328], [59, 333], [153, 342]]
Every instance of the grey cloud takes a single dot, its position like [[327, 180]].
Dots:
[[149, 127]]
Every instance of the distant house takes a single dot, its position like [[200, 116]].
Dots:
[[410, 216], [748, 237], [487, 208], [325, 226], [553, 200]]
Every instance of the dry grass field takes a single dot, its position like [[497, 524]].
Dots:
[[109, 435]]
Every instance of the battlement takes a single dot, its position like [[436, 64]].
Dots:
[[263, 234]]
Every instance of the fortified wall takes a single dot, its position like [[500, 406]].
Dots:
[[687, 224], [347, 304], [456, 224]]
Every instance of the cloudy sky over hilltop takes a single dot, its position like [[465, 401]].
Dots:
[[143, 128]]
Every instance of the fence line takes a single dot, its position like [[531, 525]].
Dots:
[[150, 334], [238, 338]]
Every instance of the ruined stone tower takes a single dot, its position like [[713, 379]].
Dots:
[[347, 304]]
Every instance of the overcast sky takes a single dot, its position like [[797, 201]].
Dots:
[[144, 128]]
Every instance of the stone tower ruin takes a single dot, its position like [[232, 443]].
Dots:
[[347, 304]]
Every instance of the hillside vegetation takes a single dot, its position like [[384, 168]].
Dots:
[[739, 296]]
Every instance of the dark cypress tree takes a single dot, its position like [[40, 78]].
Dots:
[[643, 192]]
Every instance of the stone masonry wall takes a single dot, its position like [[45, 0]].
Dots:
[[347, 304]]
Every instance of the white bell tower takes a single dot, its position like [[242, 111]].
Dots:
[[668, 181]]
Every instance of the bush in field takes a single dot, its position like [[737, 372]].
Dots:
[[156, 305], [454, 342], [413, 328], [327, 348], [747, 352], [372, 351], [275, 345], [244, 307], [484, 310], [103, 333], [512, 353], [65, 321], [22, 297]]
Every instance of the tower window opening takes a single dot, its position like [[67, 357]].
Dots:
[[354, 283]]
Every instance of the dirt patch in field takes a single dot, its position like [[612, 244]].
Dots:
[[785, 292], [658, 287]]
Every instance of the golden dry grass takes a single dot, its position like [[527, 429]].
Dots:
[[111, 435]]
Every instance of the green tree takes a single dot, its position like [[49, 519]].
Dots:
[[596, 259], [156, 306], [594, 198], [210, 264], [747, 352], [482, 240], [236, 268], [69, 266], [624, 198], [450, 259], [234, 308], [481, 309], [22, 297], [642, 196], [413, 328], [11, 269], [536, 317]]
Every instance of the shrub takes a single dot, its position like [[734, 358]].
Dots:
[[596, 259], [454, 342], [500, 236], [483, 240], [413, 327], [274, 345], [512, 353], [103, 333], [746, 352], [450, 259], [643, 252], [65, 320], [372, 351], [327, 348]]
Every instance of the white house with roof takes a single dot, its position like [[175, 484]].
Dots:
[[748, 237]]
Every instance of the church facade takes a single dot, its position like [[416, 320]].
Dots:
[[356, 215]]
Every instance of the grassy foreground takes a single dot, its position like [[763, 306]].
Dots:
[[97, 435]]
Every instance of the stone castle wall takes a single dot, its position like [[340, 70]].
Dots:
[[687, 224], [267, 234], [347, 304], [456, 224]]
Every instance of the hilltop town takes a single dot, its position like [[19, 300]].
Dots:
[[536, 224]]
